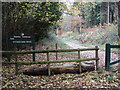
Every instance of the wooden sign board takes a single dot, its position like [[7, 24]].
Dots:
[[22, 39]]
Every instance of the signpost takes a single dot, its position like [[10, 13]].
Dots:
[[22, 39]]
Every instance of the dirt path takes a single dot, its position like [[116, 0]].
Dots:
[[91, 54]]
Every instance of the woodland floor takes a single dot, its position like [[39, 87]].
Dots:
[[93, 79]]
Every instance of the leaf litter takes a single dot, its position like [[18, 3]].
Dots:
[[93, 79]]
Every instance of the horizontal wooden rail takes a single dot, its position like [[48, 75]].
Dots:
[[114, 46], [46, 62], [46, 51], [114, 62]]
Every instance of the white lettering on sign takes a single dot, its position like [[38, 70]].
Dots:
[[11, 38], [17, 36], [28, 41], [22, 42], [26, 36], [21, 39]]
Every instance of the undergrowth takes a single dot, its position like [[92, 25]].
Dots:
[[99, 37]]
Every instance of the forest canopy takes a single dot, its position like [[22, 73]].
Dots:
[[34, 18], [29, 17], [37, 18]]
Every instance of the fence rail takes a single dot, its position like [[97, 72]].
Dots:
[[51, 61], [46, 62], [46, 51]]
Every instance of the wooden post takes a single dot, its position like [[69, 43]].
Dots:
[[79, 62], [107, 57], [49, 73], [56, 45], [8, 58], [16, 65], [96, 55], [33, 47]]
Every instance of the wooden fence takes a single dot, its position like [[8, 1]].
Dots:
[[48, 62]]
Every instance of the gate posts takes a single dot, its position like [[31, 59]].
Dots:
[[107, 57]]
